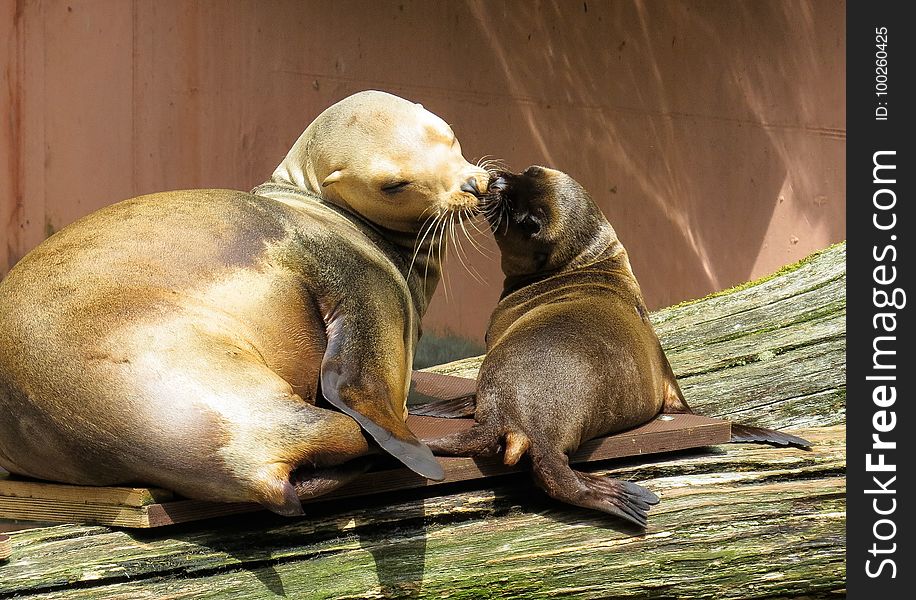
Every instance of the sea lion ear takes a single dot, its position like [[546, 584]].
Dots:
[[332, 178]]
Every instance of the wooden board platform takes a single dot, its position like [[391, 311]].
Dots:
[[6, 549], [149, 507]]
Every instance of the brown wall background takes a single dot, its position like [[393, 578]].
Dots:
[[711, 133]]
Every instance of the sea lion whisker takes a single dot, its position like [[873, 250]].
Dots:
[[429, 249], [493, 166], [481, 249], [506, 205], [426, 210], [445, 278], [472, 219], [490, 205], [419, 244], [459, 249]]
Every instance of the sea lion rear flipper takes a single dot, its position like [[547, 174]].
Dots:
[[622, 499], [750, 434], [311, 483]]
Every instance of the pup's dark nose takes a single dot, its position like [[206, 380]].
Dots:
[[470, 186]]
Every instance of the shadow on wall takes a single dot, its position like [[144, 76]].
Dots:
[[689, 127]]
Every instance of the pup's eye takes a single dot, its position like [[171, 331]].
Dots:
[[531, 225], [393, 188]]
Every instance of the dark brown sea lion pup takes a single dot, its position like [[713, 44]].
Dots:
[[571, 353], [182, 339]]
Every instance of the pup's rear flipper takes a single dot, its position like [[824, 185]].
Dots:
[[613, 496], [748, 433], [479, 440], [437, 395]]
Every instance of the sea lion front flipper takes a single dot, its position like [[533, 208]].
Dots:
[[369, 406], [364, 375], [751, 434], [622, 499]]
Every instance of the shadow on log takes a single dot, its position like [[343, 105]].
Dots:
[[735, 521]]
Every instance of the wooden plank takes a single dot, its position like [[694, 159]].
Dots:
[[6, 547], [70, 511], [118, 496], [664, 434], [681, 432]]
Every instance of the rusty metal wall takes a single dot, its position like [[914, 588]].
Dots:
[[711, 133]]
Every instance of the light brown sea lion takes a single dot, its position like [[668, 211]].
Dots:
[[571, 353], [182, 339]]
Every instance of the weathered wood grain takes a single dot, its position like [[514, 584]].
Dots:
[[744, 520], [121, 496], [734, 521]]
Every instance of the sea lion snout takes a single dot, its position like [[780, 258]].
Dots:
[[471, 193], [471, 186]]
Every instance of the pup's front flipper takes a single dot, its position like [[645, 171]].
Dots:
[[750, 434], [622, 499]]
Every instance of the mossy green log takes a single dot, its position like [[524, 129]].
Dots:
[[734, 521]]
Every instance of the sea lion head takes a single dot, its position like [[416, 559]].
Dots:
[[544, 221], [386, 159]]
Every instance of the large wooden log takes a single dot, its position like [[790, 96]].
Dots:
[[735, 521]]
